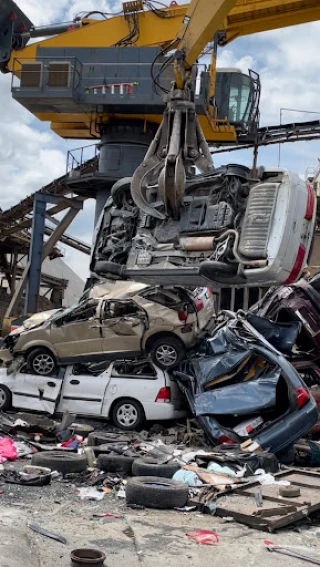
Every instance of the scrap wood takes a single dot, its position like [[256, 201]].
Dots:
[[221, 481]]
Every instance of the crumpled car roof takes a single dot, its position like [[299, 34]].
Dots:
[[116, 289]]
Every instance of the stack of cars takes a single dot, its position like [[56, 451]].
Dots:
[[134, 351]]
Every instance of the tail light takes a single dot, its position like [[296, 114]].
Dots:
[[183, 315], [310, 203], [226, 439], [297, 265], [302, 396], [199, 305], [164, 395]]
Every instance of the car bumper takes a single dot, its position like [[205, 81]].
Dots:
[[6, 355], [157, 411]]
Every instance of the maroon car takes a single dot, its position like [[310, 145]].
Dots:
[[298, 302]]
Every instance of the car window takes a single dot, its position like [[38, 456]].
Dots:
[[143, 370], [81, 312], [113, 309], [94, 368], [176, 300]]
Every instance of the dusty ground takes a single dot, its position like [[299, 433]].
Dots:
[[148, 538]]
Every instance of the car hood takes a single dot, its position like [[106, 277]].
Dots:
[[35, 320]]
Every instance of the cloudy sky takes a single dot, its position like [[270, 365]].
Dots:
[[287, 61]]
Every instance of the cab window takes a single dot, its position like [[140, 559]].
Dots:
[[141, 370]]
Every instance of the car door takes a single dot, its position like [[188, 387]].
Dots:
[[38, 393], [78, 334], [83, 392], [123, 324]]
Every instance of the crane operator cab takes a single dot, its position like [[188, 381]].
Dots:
[[237, 98]]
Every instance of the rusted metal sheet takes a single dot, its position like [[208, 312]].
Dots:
[[276, 511]]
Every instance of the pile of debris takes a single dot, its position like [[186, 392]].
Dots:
[[158, 470]]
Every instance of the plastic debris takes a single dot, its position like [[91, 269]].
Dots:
[[189, 478], [267, 479], [8, 451], [90, 493], [186, 509], [204, 537]]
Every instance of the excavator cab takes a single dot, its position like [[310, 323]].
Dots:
[[237, 98]]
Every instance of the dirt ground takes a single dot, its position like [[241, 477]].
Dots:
[[149, 538]]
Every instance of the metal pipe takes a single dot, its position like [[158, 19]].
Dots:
[[55, 29], [197, 243]]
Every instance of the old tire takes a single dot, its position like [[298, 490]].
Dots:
[[115, 463], [167, 352], [42, 362], [156, 492], [119, 190], [127, 414], [148, 467], [5, 398], [103, 267], [102, 438], [81, 429], [64, 463]]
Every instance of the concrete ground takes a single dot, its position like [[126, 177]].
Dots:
[[147, 538]]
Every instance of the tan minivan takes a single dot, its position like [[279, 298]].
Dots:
[[116, 319]]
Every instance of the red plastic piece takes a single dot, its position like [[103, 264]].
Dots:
[[204, 537], [302, 396]]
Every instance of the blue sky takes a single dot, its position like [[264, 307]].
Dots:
[[287, 61]]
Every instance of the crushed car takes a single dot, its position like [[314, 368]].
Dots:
[[298, 302], [127, 392], [242, 389], [112, 319], [230, 229]]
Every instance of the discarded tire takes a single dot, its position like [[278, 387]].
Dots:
[[84, 557], [64, 463], [148, 467], [115, 463], [156, 492], [81, 429]]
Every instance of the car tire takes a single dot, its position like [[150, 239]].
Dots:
[[81, 429], [148, 467], [156, 492], [127, 414], [119, 189], [103, 267], [103, 438], [5, 398], [115, 463], [39, 357], [167, 349], [64, 463]]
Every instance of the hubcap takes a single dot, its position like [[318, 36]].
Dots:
[[166, 355], [43, 364], [127, 415], [3, 398]]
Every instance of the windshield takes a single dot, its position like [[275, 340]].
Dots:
[[64, 312]]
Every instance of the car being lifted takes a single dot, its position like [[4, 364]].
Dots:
[[232, 229]]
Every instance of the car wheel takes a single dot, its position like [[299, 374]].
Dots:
[[42, 362], [128, 414], [121, 193], [5, 398], [156, 492], [167, 352]]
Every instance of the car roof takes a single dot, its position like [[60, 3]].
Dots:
[[116, 290]]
